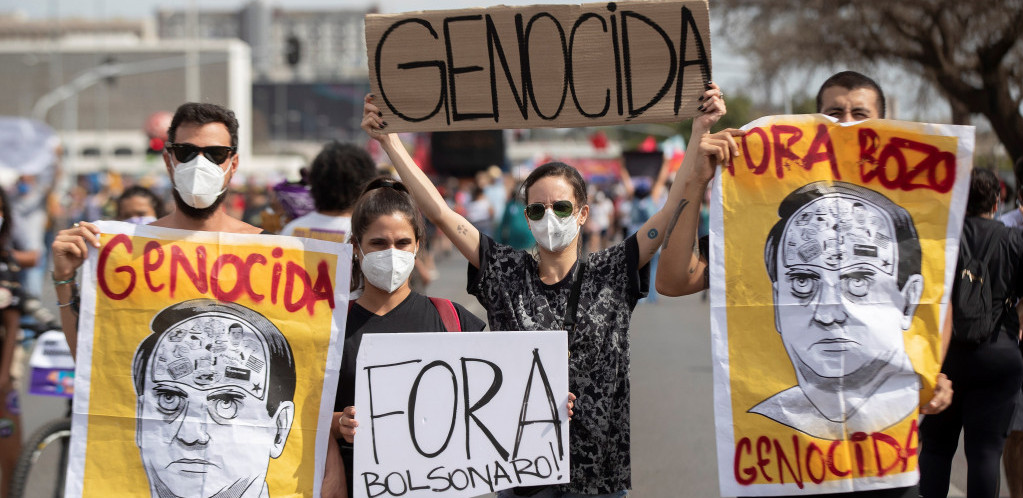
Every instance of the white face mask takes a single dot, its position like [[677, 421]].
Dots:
[[199, 181], [141, 220], [554, 233], [388, 269]]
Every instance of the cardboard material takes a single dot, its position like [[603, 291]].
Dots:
[[444, 414], [539, 66]]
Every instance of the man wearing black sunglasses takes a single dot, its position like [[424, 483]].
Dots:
[[200, 160]]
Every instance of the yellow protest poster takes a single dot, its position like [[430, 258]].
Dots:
[[207, 363], [833, 248]]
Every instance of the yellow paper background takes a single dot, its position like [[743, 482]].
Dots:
[[112, 463], [758, 364]]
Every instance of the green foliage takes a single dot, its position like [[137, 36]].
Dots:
[[804, 104]]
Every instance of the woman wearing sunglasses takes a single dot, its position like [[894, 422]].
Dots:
[[523, 292], [387, 231]]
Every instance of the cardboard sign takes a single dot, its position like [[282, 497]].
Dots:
[[535, 66], [460, 414], [207, 363], [833, 248]]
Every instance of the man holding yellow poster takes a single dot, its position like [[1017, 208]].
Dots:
[[832, 250], [194, 332]]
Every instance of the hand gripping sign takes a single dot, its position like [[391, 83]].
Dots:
[[460, 414], [500, 67], [190, 349], [832, 252]]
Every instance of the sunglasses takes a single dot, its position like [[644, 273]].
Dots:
[[536, 210], [215, 153]]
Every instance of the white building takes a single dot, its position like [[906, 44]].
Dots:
[[331, 43], [96, 83]]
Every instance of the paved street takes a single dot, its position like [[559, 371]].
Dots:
[[673, 448]]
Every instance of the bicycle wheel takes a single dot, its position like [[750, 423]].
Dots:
[[42, 464]]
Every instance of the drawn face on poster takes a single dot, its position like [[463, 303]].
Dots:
[[215, 383], [845, 265]]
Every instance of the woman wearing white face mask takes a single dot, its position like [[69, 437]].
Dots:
[[386, 231], [522, 292]]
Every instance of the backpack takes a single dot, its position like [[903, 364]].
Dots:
[[975, 315], [446, 309]]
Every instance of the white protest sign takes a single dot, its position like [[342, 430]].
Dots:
[[462, 414]]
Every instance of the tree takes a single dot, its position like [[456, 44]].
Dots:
[[970, 51]]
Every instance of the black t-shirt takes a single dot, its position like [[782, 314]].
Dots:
[[415, 314], [1004, 266], [508, 285]]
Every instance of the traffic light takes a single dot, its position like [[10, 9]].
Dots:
[[293, 50]]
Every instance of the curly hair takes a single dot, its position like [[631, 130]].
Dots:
[[337, 175]]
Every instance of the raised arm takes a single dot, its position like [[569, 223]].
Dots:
[[682, 271], [683, 199], [463, 235]]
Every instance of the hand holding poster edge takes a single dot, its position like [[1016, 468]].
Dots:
[[341, 253], [723, 396], [421, 373], [645, 48]]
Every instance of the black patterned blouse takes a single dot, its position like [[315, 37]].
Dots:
[[508, 285]]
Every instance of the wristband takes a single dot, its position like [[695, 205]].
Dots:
[[63, 282]]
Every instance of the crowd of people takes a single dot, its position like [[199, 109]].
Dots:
[[544, 252]]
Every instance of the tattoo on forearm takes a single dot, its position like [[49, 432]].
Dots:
[[674, 219], [462, 230], [652, 234]]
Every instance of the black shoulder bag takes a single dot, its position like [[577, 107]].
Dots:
[[569, 324]]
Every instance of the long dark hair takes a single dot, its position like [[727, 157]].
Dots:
[[382, 196]]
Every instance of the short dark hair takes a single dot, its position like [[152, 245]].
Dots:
[[196, 113], [985, 188], [851, 80], [140, 191], [905, 231], [557, 169], [281, 361], [337, 175]]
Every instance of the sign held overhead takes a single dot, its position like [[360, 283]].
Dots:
[[535, 66]]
